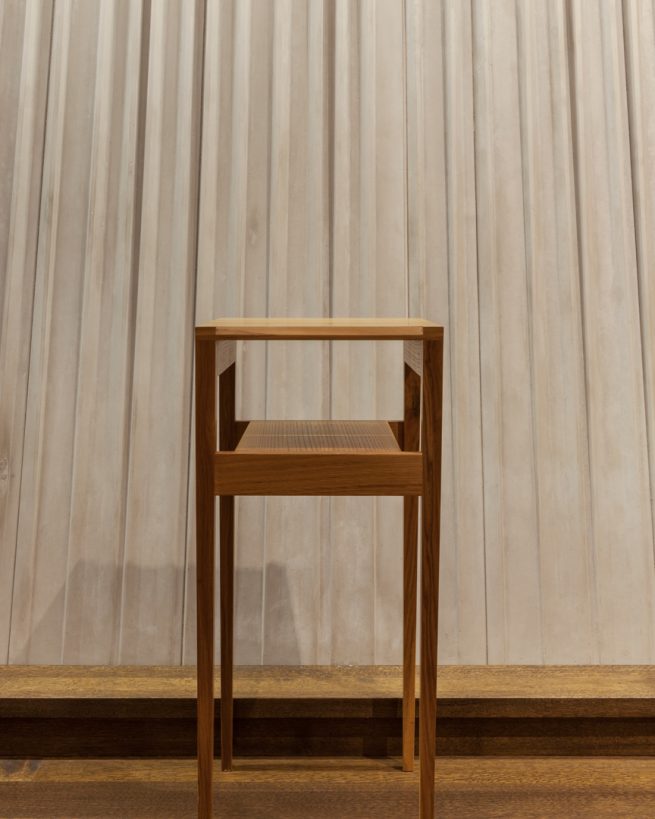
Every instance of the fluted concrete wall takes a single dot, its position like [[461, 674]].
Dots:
[[488, 165]]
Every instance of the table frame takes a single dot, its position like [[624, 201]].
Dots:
[[412, 473]]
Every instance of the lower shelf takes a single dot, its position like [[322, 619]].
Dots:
[[316, 436]]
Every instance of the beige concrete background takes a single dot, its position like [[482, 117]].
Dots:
[[485, 164]]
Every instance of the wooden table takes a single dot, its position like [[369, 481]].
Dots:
[[318, 458]]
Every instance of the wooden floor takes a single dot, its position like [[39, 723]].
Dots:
[[516, 722], [462, 690], [83, 711], [335, 788]]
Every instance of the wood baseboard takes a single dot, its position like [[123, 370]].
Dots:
[[78, 711]]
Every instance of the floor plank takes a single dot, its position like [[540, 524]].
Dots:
[[487, 688], [290, 788], [145, 711]]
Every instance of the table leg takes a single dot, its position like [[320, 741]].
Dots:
[[227, 628], [411, 428], [431, 448], [410, 549], [227, 441], [205, 522]]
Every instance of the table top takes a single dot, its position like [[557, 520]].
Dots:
[[319, 328]]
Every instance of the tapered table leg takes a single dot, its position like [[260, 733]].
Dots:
[[431, 448], [205, 522], [411, 429], [227, 441], [410, 533], [227, 628]]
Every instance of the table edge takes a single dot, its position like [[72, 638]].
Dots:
[[409, 333]]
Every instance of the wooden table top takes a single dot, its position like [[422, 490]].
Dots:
[[319, 328]]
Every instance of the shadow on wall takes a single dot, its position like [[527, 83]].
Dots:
[[272, 640], [280, 645], [105, 616]]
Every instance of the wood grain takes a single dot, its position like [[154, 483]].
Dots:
[[334, 472], [593, 691], [226, 440], [323, 463], [317, 729], [205, 371], [309, 711], [466, 788], [319, 328], [431, 424], [411, 435]]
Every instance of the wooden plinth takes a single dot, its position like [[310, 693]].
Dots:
[[483, 710]]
